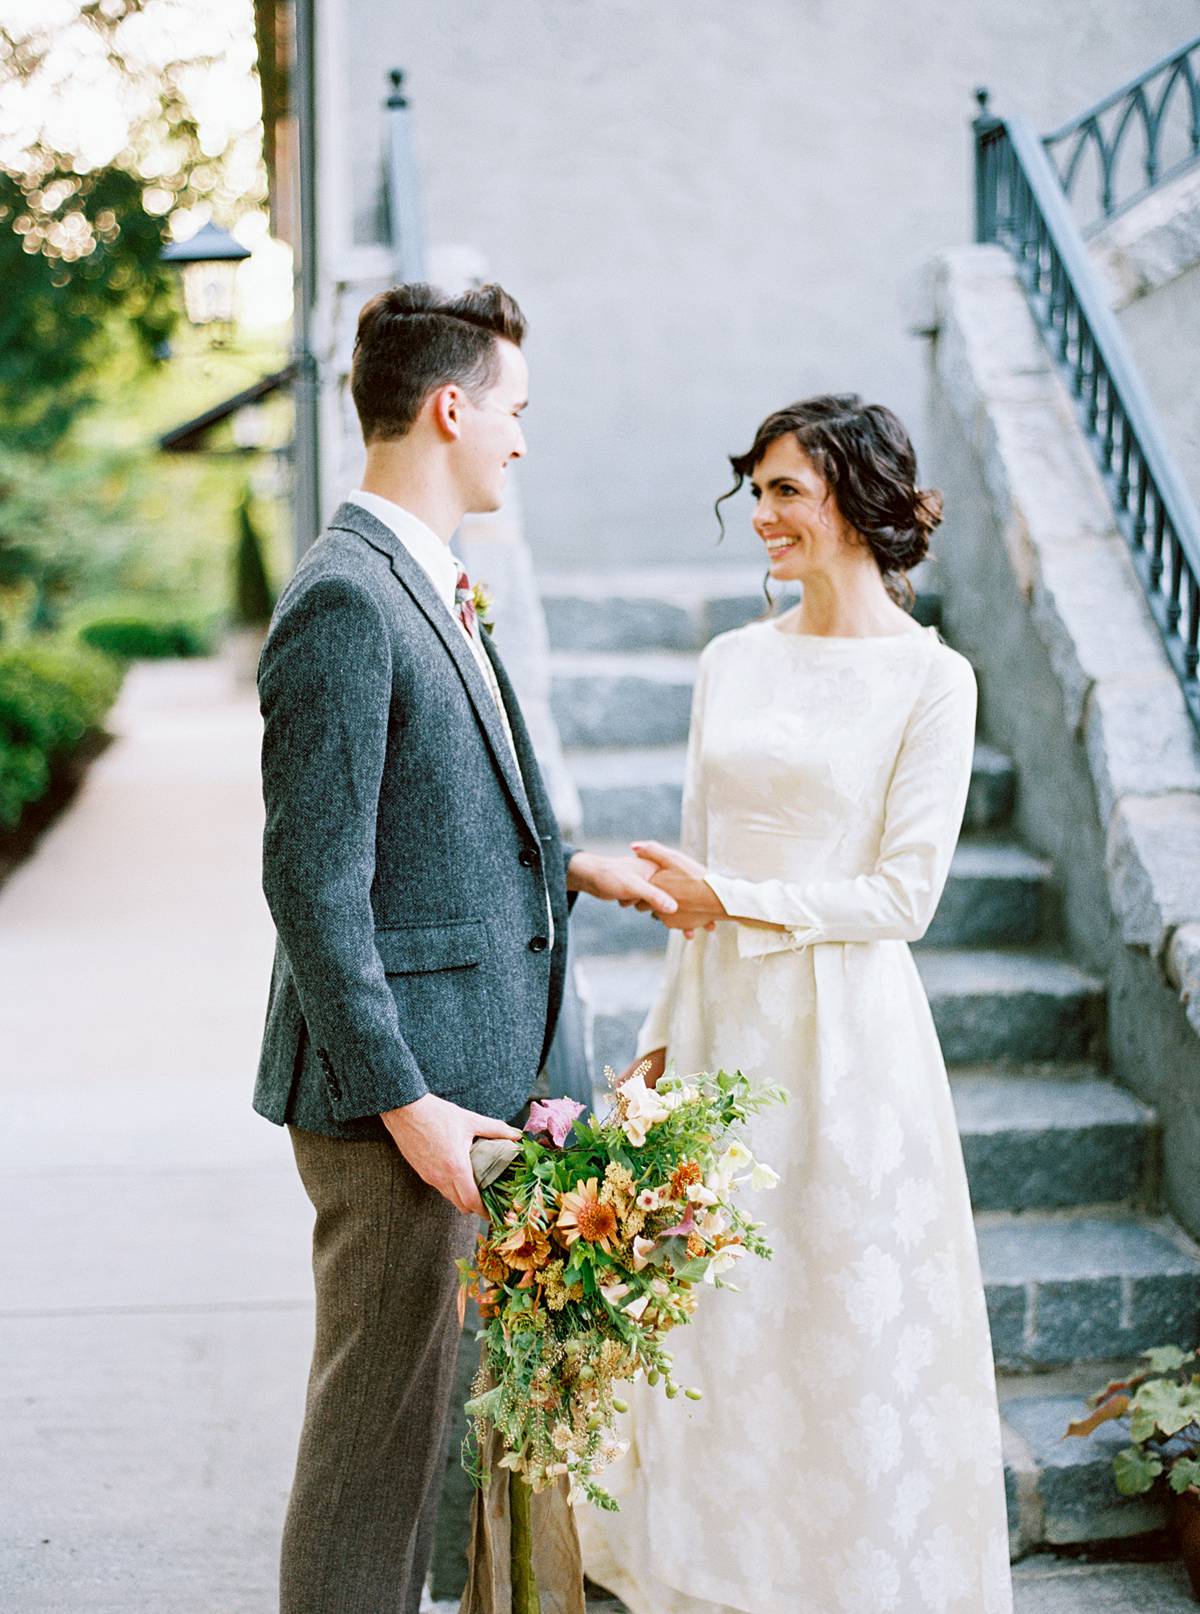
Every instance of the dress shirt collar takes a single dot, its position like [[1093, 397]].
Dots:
[[423, 544]]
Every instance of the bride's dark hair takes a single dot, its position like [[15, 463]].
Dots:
[[868, 463]]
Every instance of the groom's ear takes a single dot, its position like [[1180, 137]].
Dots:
[[445, 407]]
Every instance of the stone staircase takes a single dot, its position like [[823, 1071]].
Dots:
[[1082, 1270]]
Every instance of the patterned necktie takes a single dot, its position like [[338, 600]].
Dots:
[[464, 601]]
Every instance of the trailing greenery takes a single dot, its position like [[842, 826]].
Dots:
[[134, 627], [53, 692]]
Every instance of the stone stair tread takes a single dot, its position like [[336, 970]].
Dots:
[[630, 764], [946, 970], [671, 666], [1048, 1247], [1049, 1585], [993, 1101], [682, 584], [626, 765], [985, 858], [629, 979]]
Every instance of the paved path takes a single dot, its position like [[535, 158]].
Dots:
[[154, 1294]]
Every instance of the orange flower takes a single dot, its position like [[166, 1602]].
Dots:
[[695, 1245], [584, 1216], [489, 1264], [682, 1178], [525, 1248]]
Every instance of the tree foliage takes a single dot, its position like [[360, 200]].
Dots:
[[80, 239]]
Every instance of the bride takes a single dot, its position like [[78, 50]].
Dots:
[[846, 1454]]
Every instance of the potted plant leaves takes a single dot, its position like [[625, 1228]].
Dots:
[[1160, 1407]]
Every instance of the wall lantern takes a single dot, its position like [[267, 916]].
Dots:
[[209, 261]]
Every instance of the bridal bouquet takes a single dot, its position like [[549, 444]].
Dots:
[[602, 1236]]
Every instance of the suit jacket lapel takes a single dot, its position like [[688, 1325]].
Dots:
[[352, 518]]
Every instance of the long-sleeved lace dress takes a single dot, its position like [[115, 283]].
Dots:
[[846, 1454]]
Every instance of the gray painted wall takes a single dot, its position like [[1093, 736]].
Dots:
[[706, 209]]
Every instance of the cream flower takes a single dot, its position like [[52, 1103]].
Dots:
[[638, 1307], [642, 1109], [613, 1292], [763, 1176], [700, 1195], [643, 1249]]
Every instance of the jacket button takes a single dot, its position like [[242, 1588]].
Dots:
[[527, 857], [538, 944]]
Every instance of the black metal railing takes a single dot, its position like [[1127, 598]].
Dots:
[[1020, 204], [1133, 140]]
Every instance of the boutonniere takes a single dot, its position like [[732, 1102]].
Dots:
[[483, 603]]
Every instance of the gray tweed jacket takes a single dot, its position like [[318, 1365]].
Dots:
[[406, 861]]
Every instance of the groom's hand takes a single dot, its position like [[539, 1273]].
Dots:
[[435, 1137], [619, 879]]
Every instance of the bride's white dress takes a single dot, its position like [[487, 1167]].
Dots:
[[846, 1454]]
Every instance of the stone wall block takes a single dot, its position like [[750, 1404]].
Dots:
[[1151, 244], [1153, 859], [1183, 968], [1140, 739]]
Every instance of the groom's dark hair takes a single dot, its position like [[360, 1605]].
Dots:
[[414, 338]]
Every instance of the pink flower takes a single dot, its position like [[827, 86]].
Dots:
[[553, 1117], [682, 1229]]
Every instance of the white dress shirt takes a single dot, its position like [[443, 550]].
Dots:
[[441, 566]]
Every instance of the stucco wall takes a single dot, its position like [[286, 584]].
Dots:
[[705, 209]]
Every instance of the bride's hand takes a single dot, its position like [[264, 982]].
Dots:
[[682, 877], [657, 1062]]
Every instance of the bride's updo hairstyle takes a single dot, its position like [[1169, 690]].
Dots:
[[867, 461]]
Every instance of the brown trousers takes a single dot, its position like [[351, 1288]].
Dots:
[[359, 1531]]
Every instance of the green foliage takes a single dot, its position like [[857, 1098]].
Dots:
[[141, 627], [1135, 1470], [68, 529], [52, 693], [1161, 1407], [253, 599], [79, 243], [79, 262]]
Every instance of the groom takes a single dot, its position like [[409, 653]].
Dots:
[[419, 888]]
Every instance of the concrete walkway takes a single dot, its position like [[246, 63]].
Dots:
[[155, 1320]]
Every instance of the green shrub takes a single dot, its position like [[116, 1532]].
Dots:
[[253, 599], [53, 691], [135, 627]]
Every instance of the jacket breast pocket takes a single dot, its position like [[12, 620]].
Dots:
[[439, 977]]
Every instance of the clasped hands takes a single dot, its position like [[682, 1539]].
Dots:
[[697, 906], [656, 880]]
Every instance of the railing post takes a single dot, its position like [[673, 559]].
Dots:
[[403, 192], [983, 125]]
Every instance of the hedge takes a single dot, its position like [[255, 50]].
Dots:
[[134, 628], [53, 692]]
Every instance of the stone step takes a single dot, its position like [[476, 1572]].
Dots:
[[606, 699], [987, 1005], [1060, 1490], [642, 786], [680, 608], [1049, 1585], [1038, 1141], [1064, 1288], [1043, 1585], [994, 897]]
